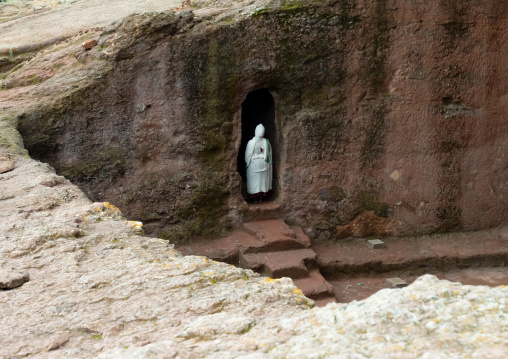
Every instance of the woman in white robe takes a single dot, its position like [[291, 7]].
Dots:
[[258, 160]]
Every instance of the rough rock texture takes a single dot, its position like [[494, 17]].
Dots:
[[373, 328], [95, 284], [12, 278], [391, 107], [98, 288], [5, 164], [89, 44], [273, 249]]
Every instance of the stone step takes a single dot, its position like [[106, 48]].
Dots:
[[274, 235], [257, 239], [316, 287], [262, 211], [273, 249], [293, 263]]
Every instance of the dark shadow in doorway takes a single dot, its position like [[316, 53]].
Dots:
[[258, 107]]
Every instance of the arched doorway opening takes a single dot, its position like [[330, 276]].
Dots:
[[258, 107]]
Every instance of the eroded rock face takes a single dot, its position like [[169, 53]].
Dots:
[[380, 106], [99, 289]]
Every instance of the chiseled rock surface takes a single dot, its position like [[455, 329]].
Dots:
[[99, 289]]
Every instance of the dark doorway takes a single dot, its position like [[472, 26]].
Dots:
[[258, 107]]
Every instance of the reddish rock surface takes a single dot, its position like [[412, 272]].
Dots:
[[393, 107], [366, 224], [98, 289], [355, 271], [438, 252], [89, 44], [272, 248]]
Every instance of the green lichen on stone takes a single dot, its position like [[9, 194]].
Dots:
[[376, 70], [331, 194], [368, 201], [450, 218], [108, 163], [10, 139], [456, 29], [220, 82], [202, 214]]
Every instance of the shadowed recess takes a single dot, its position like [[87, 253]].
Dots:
[[258, 107]]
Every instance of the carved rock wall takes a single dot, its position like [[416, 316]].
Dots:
[[97, 288], [395, 107]]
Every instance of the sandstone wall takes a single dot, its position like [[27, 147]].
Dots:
[[389, 117]]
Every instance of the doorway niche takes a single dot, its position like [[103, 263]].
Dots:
[[258, 108]]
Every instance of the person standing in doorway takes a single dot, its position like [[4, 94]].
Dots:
[[258, 160]]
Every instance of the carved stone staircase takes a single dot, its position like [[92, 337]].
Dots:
[[271, 248]]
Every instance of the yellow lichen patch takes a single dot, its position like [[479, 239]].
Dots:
[[297, 291], [208, 273], [269, 280], [110, 206], [167, 265], [137, 225], [480, 339], [389, 315], [436, 320]]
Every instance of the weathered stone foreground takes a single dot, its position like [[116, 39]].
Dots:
[[97, 288]]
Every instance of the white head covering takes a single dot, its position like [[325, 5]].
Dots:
[[260, 131]]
